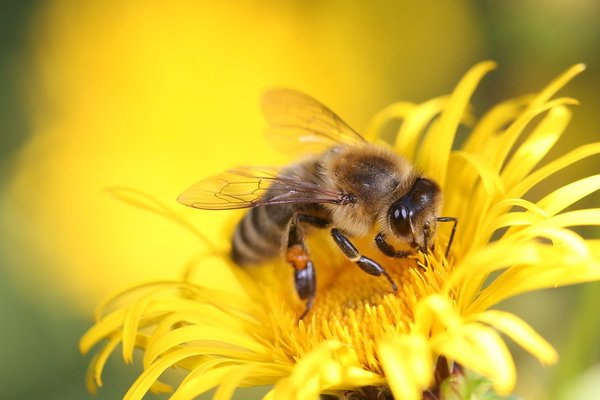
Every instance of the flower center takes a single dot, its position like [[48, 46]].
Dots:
[[349, 292], [356, 308]]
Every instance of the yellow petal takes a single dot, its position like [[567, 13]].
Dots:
[[552, 167], [395, 111], [414, 125], [159, 387], [477, 265], [481, 196], [537, 144], [481, 349], [131, 324], [435, 149], [407, 363], [501, 149], [202, 380], [493, 121], [204, 335], [496, 215], [434, 310], [489, 178], [567, 195], [102, 329], [321, 370], [557, 266], [151, 374], [558, 83], [519, 331], [233, 380], [587, 217], [94, 372], [507, 204]]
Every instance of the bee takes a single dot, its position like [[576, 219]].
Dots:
[[350, 186]]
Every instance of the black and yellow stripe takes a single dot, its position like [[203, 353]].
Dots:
[[259, 236]]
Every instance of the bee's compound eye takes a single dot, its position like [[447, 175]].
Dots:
[[400, 216]]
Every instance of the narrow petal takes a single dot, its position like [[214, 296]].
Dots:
[[587, 217], [562, 198], [102, 329], [502, 145], [536, 146], [557, 267], [204, 335], [471, 344], [498, 218], [407, 363], [511, 219], [553, 227], [435, 149], [131, 324], [233, 380], [507, 204], [394, 112], [202, 380], [492, 185], [468, 279], [558, 83], [415, 124], [471, 213], [322, 370], [494, 121], [94, 372], [481, 349], [519, 331], [560, 163], [151, 374], [434, 310], [159, 387]]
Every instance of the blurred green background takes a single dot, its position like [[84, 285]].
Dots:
[[96, 94]]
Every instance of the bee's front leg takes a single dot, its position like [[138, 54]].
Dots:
[[371, 267], [297, 256], [388, 249]]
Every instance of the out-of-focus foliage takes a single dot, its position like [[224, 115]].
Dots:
[[144, 94]]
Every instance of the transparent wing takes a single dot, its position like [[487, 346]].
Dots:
[[299, 123], [246, 187]]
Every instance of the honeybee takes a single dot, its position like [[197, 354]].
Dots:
[[350, 187]]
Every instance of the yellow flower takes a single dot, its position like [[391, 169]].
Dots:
[[246, 332]]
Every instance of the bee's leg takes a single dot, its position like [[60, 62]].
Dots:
[[297, 256], [388, 249], [366, 264], [305, 280], [454, 220]]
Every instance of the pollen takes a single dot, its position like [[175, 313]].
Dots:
[[358, 309]]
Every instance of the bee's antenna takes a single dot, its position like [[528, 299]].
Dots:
[[448, 219]]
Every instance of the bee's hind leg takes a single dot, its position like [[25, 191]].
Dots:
[[297, 256], [306, 286]]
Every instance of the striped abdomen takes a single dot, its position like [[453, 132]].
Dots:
[[260, 235]]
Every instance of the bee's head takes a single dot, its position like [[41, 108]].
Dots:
[[412, 218]]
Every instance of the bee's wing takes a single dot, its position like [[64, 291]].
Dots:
[[300, 123], [246, 187]]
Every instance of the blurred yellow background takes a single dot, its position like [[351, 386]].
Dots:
[[156, 95]]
